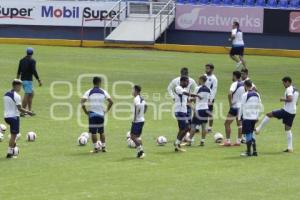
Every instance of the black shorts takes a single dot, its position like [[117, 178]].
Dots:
[[14, 124], [96, 124], [286, 117], [237, 51], [137, 128], [182, 119], [200, 117], [234, 112], [248, 126]]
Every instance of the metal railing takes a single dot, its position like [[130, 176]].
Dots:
[[167, 13]]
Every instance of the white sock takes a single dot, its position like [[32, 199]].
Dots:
[[96, 145], [228, 140], [10, 151], [263, 123], [202, 140], [238, 140], [139, 148], [177, 141], [289, 139]]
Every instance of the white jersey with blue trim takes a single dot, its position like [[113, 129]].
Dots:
[[250, 106], [139, 109], [237, 90], [238, 38], [96, 98], [291, 107], [176, 82], [204, 93], [212, 84], [11, 100], [180, 100]]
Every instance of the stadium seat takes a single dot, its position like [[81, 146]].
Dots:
[[260, 3], [238, 2], [227, 2], [216, 2], [294, 4], [249, 3], [283, 3], [272, 3], [204, 2]]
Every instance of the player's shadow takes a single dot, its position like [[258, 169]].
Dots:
[[126, 159]]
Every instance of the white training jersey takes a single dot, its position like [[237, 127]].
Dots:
[[180, 100], [212, 84], [204, 93], [237, 90], [139, 109], [11, 100], [176, 82], [250, 106], [96, 98], [291, 107], [238, 38], [253, 85]]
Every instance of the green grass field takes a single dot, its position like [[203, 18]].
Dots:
[[55, 168]]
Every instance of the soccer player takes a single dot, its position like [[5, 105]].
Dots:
[[212, 84], [237, 45], [234, 98], [190, 88], [140, 109], [96, 98], [202, 110], [249, 114], [245, 77], [287, 114], [12, 109], [26, 70], [181, 112]]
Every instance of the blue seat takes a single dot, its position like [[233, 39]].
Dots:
[[294, 4], [227, 2], [283, 3], [238, 2], [180, 1], [193, 1], [204, 2], [260, 3], [216, 2], [272, 3], [249, 3]]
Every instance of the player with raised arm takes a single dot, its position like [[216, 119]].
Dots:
[[95, 98], [190, 88], [140, 108], [287, 113], [238, 45], [248, 115], [212, 84], [26, 71], [12, 109], [234, 98], [180, 108], [201, 114]]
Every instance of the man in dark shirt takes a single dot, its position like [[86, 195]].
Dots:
[[27, 69]]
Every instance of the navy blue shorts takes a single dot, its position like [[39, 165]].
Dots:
[[234, 112], [14, 124], [137, 128], [200, 117], [248, 126], [182, 119], [189, 113], [286, 117], [237, 51], [96, 124]]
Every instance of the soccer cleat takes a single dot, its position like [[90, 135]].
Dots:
[[245, 154], [141, 155], [10, 156], [202, 144], [254, 153], [288, 151], [178, 148], [256, 131], [104, 150], [226, 144], [95, 150]]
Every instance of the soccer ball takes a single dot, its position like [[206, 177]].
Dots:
[[130, 143], [31, 136], [128, 135], [82, 141], [161, 140], [218, 138], [17, 138], [86, 135], [16, 151], [2, 128], [1, 137]]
